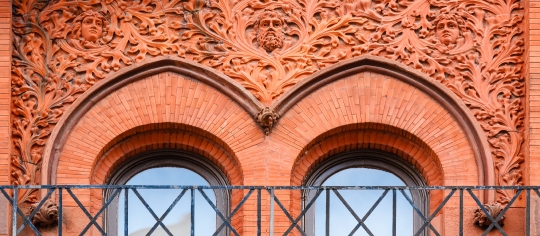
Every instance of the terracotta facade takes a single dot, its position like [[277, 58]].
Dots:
[[267, 90]]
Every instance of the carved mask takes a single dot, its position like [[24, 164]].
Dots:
[[91, 28], [270, 31], [88, 27], [46, 215], [447, 31]]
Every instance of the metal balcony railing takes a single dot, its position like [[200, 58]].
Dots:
[[256, 193]]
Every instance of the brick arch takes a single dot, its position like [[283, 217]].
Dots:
[[363, 95], [162, 90], [170, 137], [369, 136], [165, 136], [378, 90]]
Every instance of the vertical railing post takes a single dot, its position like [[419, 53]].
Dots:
[[258, 212], [126, 215], [461, 212], [15, 197], [60, 210], [192, 211], [327, 212], [394, 233], [272, 212], [528, 213]]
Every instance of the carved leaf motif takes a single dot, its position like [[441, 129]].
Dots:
[[54, 61]]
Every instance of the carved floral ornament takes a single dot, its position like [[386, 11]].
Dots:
[[61, 48]]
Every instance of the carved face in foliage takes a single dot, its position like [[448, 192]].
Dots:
[[89, 26], [447, 28], [270, 30]]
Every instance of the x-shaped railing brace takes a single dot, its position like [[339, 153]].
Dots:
[[494, 222], [218, 212], [236, 209], [427, 222], [93, 219], [159, 221], [27, 220], [360, 221], [295, 221]]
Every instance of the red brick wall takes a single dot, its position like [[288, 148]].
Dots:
[[5, 88], [533, 70], [533, 75]]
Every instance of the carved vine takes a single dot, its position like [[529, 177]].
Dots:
[[61, 48]]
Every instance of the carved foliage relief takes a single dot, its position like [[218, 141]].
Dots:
[[61, 48]]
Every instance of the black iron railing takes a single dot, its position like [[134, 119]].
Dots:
[[255, 193]]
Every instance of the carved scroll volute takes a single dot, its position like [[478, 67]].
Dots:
[[61, 48]]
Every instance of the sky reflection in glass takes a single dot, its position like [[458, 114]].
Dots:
[[179, 219], [341, 223], [380, 220]]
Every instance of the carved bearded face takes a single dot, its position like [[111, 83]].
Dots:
[[447, 29], [270, 31], [91, 28]]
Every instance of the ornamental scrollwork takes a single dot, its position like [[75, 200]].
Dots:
[[61, 48]]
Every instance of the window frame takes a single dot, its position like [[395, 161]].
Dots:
[[372, 159], [167, 158]]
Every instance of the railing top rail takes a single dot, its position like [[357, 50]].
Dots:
[[482, 215], [266, 187]]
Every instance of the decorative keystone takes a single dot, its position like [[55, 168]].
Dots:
[[494, 210], [46, 215], [267, 118]]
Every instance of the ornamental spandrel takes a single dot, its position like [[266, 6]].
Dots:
[[62, 48]]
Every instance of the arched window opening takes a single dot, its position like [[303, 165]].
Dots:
[[167, 167], [365, 167], [178, 220], [342, 222]]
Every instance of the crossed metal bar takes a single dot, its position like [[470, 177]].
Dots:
[[494, 222], [360, 221], [159, 221], [226, 217], [18, 211], [226, 222], [93, 219]]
